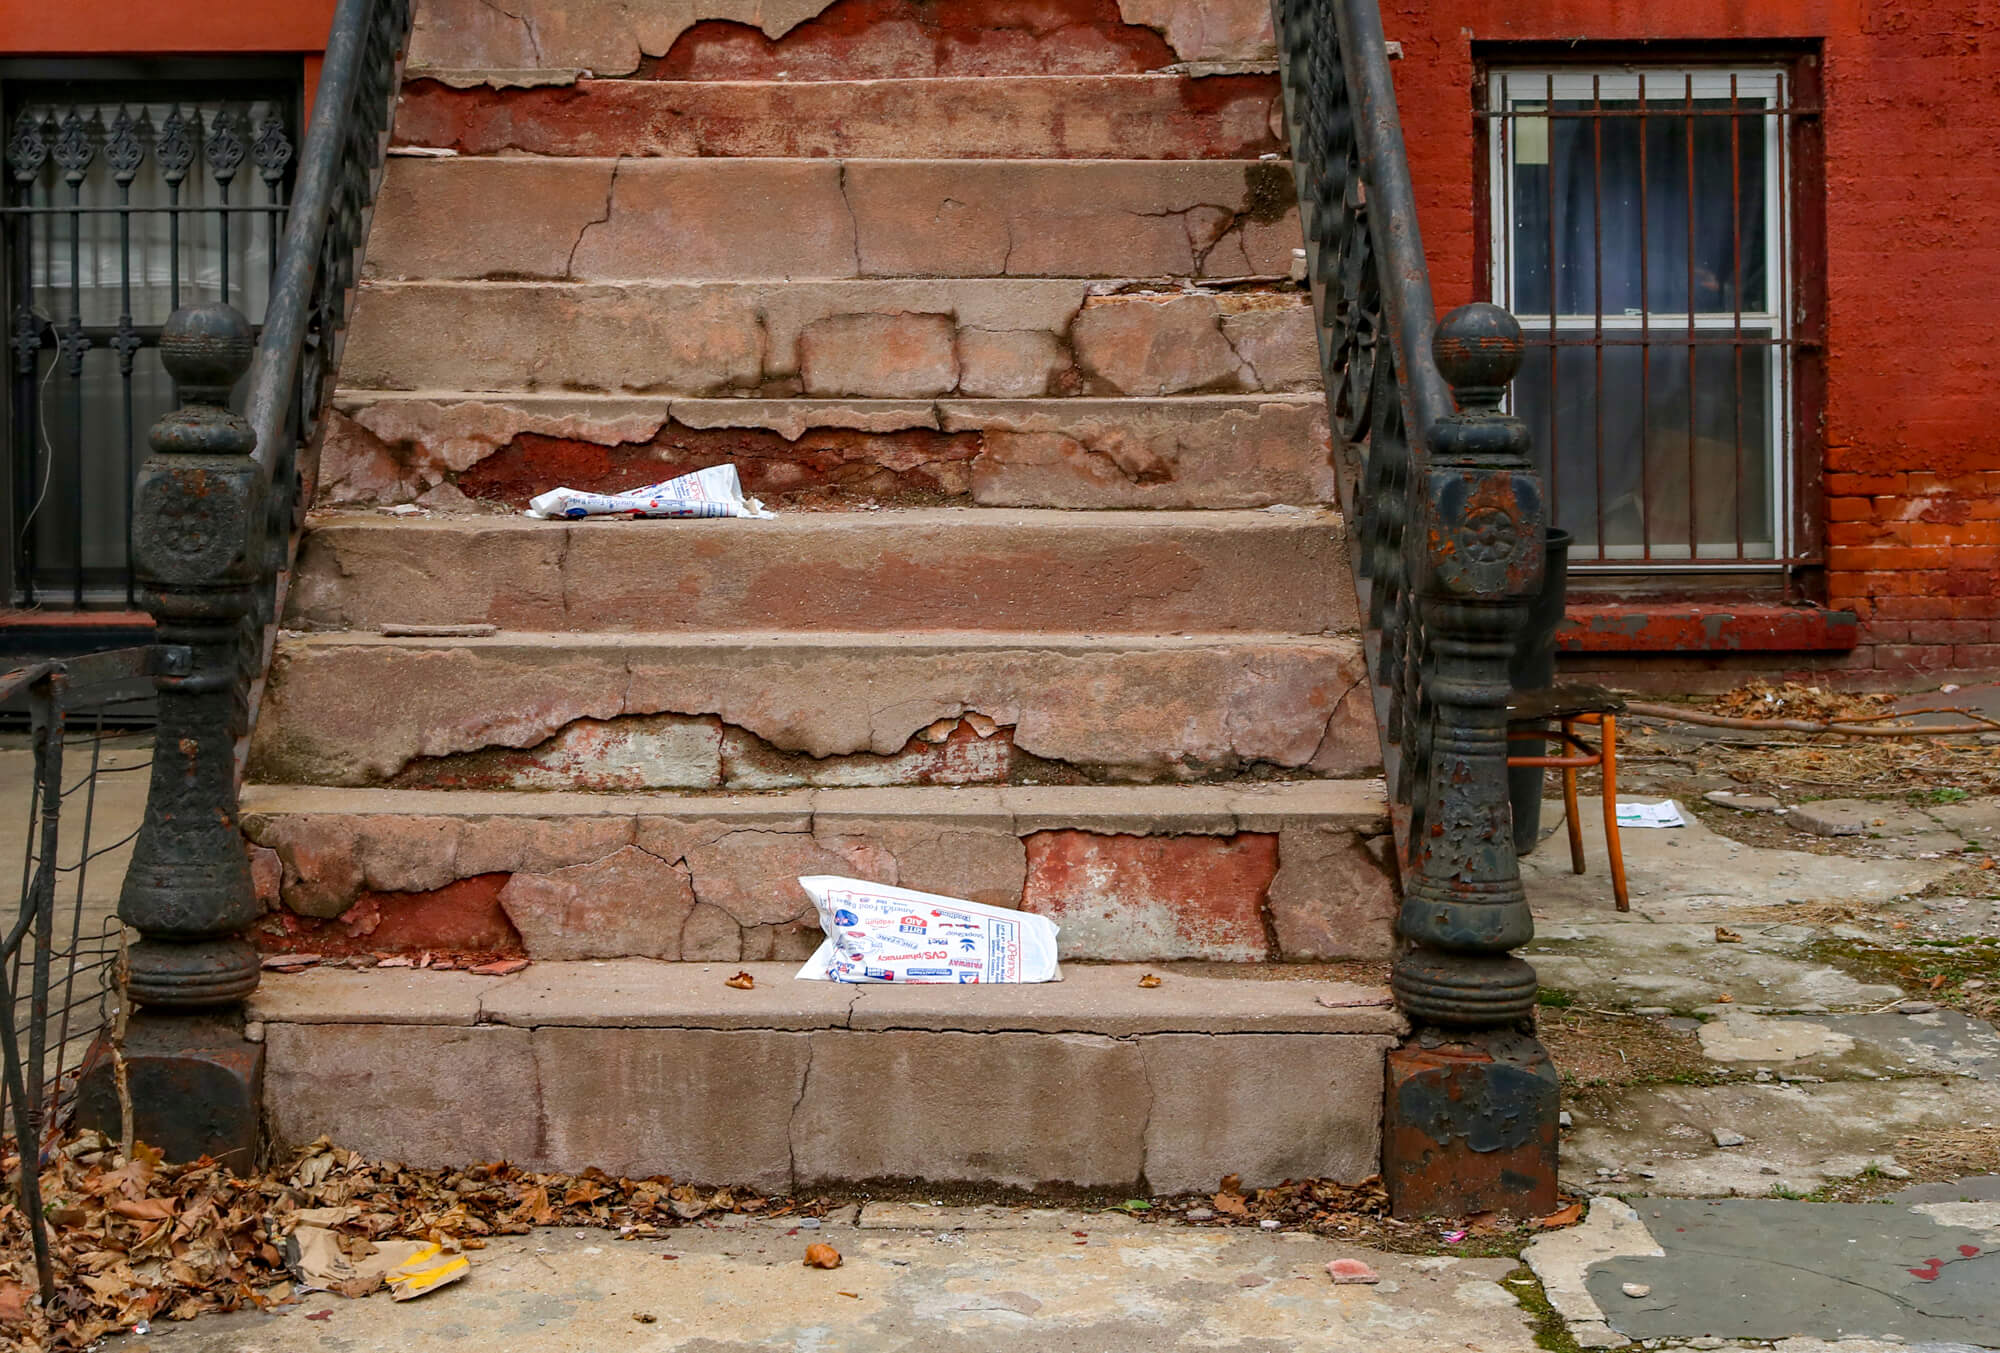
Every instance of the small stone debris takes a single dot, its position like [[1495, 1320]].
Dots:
[[1636, 1289], [1268, 1225], [1201, 1214], [1564, 1119], [645, 1317], [1345, 1271], [1916, 1007], [1724, 1137], [1744, 803]]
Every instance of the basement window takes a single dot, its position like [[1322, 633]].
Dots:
[[1642, 229]]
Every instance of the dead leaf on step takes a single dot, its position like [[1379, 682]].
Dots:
[[1562, 1216], [1150, 980], [1724, 998], [1937, 981], [1231, 1204], [1485, 1224], [822, 1256], [1724, 935], [743, 981]]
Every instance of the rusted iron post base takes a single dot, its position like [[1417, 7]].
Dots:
[[1470, 1125], [197, 1088]]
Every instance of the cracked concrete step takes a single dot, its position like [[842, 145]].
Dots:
[[1012, 338], [993, 569], [659, 1069], [550, 41], [1206, 451], [1289, 871], [615, 711], [1125, 117], [610, 220]]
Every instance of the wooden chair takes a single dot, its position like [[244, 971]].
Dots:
[[1529, 716]]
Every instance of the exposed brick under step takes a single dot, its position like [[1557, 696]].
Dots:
[[655, 1068], [548, 41], [1124, 117], [1203, 451], [982, 338], [716, 219], [1288, 872], [356, 709], [994, 569]]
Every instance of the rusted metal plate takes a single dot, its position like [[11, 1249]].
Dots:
[[1471, 1127]]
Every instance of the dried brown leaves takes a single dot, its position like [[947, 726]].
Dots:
[[138, 1240]]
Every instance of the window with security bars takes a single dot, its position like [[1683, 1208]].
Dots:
[[127, 193], [1642, 233]]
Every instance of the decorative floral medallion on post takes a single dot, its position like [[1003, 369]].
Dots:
[[1473, 1098]]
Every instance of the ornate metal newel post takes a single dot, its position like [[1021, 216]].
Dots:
[[196, 1084], [1473, 1097]]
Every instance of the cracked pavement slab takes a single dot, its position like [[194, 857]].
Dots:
[[1917, 1273], [1058, 1279]]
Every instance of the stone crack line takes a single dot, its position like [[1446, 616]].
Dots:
[[610, 191]]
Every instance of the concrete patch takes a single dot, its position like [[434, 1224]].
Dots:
[[1691, 873], [1771, 1270], [1085, 1284], [1622, 964], [1796, 1136], [1743, 1037], [1563, 1259]]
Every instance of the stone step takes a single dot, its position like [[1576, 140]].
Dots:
[[550, 41], [1289, 871], [649, 1069], [612, 220], [920, 339], [1121, 117], [609, 711], [1205, 451], [994, 569]]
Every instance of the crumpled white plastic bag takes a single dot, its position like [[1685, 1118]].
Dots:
[[876, 933], [714, 492]]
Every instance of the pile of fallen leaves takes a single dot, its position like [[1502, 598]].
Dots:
[[1795, 700], [135, 1240]]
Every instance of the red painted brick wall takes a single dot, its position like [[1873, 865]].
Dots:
[[1912, 128]]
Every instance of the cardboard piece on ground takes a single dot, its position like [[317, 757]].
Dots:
[[409, 1268]]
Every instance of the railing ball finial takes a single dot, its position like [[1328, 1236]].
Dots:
[[207, 350], [1478, 350]]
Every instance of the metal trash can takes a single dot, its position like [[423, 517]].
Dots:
[[1534, 669]]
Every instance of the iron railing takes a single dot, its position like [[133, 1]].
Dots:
[[125, 200], [60, 948], [217, 509], [1447, 548]]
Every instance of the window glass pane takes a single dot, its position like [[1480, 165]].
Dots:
[[1644, 203], [1634, 471]]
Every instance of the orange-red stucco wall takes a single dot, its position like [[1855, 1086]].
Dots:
[[1910, 440], [169, 28]]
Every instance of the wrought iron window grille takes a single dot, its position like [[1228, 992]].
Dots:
[[1645, 224]]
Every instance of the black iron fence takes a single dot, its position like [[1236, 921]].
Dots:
[[61, 945], [1447, 547], [125, 200]]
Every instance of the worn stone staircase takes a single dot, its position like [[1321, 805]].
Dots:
[[991, 300]]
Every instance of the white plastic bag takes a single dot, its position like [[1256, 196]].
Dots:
[[876, 933], [714, 492]]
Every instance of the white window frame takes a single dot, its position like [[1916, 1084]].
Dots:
[[1513, 92]]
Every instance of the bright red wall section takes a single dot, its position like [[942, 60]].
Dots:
[[1912, 128], [169, 28]]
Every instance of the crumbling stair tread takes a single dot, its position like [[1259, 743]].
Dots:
[[1091, 998]]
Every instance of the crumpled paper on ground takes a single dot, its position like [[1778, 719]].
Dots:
[[713, 492], [409, 1268]]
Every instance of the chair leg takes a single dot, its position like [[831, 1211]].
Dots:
[[1570, 818], [1612, 845]]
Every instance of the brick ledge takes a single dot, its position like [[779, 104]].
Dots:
[[1656, 627]]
